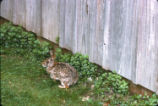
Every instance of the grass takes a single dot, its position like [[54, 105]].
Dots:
[[25, 83]]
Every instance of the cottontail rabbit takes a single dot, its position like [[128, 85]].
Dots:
[[63, 72]]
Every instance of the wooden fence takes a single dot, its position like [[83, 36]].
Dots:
[[120, 35]]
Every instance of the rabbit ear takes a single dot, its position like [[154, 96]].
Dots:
[[51, 52]]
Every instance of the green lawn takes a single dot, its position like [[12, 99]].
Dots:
[[25, 83]]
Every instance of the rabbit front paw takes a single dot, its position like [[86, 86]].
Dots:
[[61, 86]]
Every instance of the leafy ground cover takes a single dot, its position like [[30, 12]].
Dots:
[[25, 82]]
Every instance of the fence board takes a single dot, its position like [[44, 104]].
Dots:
[[62, 22], [50, 19], [33, 16], [19, 12], [5, 11], [147, 52]]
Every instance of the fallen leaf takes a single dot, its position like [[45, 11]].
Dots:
[[85, 98]]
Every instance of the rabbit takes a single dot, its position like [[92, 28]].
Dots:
[[63, 72]]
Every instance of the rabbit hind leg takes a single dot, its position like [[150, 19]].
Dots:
[[62, 85], [66, 84]]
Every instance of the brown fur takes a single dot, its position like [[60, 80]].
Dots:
[[63, 72]]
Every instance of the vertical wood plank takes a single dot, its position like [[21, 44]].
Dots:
[[99, 36], [147, 52], [70, 9], [62, 22], [19, 12], [6, 9], [50, 19], [82, 26], [33, 16]]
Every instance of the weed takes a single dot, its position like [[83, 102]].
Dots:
[[80, 62], [57, 39], [111, 82], [15, 37]]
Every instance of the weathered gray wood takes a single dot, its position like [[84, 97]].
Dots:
[[6, 10], [69, 24], [19, 12], [34, 16], [119, 35], [62, 22], [82, 26], [147, 45], [50, 19], [99, 38], [119, 41]]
